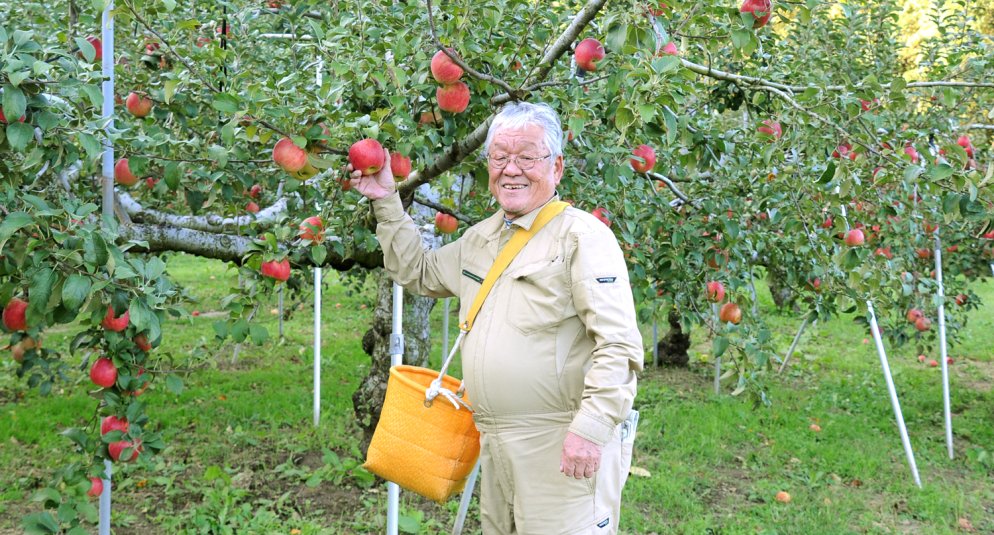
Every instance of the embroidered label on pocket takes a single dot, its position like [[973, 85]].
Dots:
[[606, 280], [604, 523], [473, 276]]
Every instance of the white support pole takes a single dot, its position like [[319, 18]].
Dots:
[[895, 404], [286, 36], [467, 496], [655, 343], [107, 168], [943, 352], [445, 327], [104, 527], [317, 346], [396, 359], [107, 111], [717, 360], [793, 345], [280, 307]]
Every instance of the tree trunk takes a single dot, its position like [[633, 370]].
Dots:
[[781, 293], [367, 401], [673, 347]]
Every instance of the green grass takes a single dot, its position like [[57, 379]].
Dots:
[[243, 456]]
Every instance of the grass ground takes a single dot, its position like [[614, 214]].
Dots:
[[244, 457]]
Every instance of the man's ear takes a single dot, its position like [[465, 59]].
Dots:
[[557, 168]]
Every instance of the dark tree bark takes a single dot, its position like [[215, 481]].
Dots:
[[673, 347]]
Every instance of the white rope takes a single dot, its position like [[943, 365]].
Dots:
[[435, 388]]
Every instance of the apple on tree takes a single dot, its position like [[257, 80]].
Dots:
[[400, 165], [603, 215], [771, 129], [3, 118], [964, 141], [715, 291], [255, 191], [760, 9], [730, 313], [644, 159], [312, 229], [289, 156], [15, 315], [138, 105], [116, 449], [446, 223], [453, 98], [103, 372], [115, 323], [251, 207], [855, 238], [276, 269], [123, 174], [96, 487], [588, 52], [443, 69], [669, 50]]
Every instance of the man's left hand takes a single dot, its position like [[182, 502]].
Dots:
[[581, 457]]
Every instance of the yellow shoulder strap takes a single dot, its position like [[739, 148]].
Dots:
[[520, 238]]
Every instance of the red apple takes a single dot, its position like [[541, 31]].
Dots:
[[923, 324], [151, 182], [400, 165], [660, 8], [252, 208], [949, 360], [964, 141], [914, 315], [603, 215], [96, 487], [988, 235], [255, 191], [103, 373], [669, 50], [715, 291], [771, 129], [644, 159], [97, 46], [924, 253], [202, 40], [445, 223], [815, 284], [933, 363], [312, 229], [366, 156], [782, 497], [828, 223], [279, 270], [961, 299], [588, 52], [912, 153], [138, 105], [760, 9], [117, 448], [921, 358], [113, 423], [453, 98], [122, 173], [443, 69], [3, 118], [288, 156], [116, 324], [731, 313], [854, 238], [141, 340], [14, 315]]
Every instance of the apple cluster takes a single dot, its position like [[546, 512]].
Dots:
[[452, 95]]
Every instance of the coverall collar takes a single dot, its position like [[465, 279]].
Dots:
[[528, 219]]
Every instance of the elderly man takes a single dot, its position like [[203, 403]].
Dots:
[[551, 363]]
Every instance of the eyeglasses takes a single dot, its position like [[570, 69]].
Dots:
[[525, 163]]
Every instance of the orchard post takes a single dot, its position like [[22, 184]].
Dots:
[[943, 352], [107, 112]]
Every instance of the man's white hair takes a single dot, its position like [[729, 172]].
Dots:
[[516, 115]]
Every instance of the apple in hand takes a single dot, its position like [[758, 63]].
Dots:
[[366, 156]]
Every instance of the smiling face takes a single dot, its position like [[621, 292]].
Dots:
[[519, 191]]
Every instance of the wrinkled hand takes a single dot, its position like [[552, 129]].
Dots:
[[376, 186], [581, 457]]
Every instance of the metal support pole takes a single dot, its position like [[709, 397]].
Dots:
[[104, 527], [107, 168], [107, 111], [317, 345], [717, 360], [895, 404], [793, 345], [655, 343], [445, 327], [280, 306], [467, 496], [396, 359], [943, 353]]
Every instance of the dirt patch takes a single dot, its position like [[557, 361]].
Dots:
[[974, 374]]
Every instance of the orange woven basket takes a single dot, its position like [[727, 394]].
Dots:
[[426, 450]]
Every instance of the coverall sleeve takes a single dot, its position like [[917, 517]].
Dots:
[[433, 273], [603, 300]]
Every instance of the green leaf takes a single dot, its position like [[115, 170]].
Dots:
[[624, 118], [169, 89], [174, 384], [95, 250], [718, 346], [14, 104], [741, 37], [74, 291], [90, 144], [19, 135], [172, 175], [89, 52], [95, 95], [40, 524], [12, 223], [225, 103], [239, 331], [41, 290], [77, 435], [409, 524], [219, 154], [47, 494], [941, 171], [259, 334], [318, 254], [221, 329], [142, 316]]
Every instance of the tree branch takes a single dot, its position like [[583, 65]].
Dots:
[[207, 223], [445, 210], [458, 61]]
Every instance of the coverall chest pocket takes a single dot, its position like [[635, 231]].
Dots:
[[539, 296]]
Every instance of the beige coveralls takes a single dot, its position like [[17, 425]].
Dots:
[[555, 348]]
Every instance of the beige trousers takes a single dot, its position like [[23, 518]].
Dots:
[[523, 492]]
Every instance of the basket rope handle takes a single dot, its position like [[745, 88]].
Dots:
[[507, 254]]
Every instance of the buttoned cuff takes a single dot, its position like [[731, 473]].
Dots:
[[592, 428], [389, 208]]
